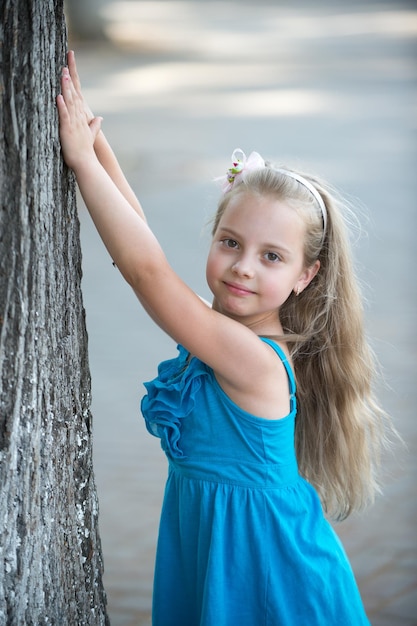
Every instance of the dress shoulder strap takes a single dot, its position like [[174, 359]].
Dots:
[[280, 352]]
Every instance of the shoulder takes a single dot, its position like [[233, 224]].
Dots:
[[267, 394]]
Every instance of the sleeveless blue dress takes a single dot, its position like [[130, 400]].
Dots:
[[242, 539]]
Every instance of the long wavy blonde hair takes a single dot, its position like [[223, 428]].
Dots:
[[340, 429]]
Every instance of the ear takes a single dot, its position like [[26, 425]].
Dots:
[[306, 277]]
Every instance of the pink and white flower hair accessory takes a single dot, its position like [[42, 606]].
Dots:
[[241, 165]]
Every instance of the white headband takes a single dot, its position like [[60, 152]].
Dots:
[[313, 190]]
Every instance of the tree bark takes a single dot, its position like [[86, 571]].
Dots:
[[51, 564]]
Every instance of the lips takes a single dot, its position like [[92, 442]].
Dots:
[[238, 290]]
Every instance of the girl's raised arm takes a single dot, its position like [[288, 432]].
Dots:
[[246, 368]]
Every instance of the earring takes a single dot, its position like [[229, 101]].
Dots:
[[298, 290]]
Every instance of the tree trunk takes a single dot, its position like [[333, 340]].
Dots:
[[51, 565]]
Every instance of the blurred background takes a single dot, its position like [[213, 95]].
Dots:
[[328, 86]]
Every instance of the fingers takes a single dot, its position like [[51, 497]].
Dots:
[[95, 126], [62, 109], [64, 100], [71, 107], [71, 60], [72, 67], [69, 91], [67, 88]]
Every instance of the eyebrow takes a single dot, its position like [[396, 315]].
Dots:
[[229, 231]]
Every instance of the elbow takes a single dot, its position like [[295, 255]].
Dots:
[[144, 275]]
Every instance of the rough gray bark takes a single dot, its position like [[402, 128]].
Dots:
[[51, 565]]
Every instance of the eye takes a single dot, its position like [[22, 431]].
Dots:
[[272, 257], [230, 243]]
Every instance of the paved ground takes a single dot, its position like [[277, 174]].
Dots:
[[328, 85]]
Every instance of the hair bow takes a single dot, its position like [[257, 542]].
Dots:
[[241, 165]]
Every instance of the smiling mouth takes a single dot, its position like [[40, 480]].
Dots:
[[238, 290]]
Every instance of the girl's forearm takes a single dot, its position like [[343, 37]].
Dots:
[[111, 165], [127, 237]]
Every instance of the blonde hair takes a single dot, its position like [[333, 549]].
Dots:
[[340, 429]]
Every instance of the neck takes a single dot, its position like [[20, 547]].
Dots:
[[266, 324]]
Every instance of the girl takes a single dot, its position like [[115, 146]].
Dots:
[[243, 539]]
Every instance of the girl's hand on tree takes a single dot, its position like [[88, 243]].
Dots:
[[77, 135]]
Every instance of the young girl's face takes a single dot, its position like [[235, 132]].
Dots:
[[256, 258]]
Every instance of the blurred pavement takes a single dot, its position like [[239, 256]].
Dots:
[[328, 86]]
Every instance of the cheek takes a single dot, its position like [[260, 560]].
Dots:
[[217, 265], [211, 268], [276, 287], [271, 287]]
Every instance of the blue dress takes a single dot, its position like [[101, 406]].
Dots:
[[242, 540]]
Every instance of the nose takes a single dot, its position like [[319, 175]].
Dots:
[[243, 268]]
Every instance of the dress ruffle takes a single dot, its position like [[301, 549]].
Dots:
[[170, 398]]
